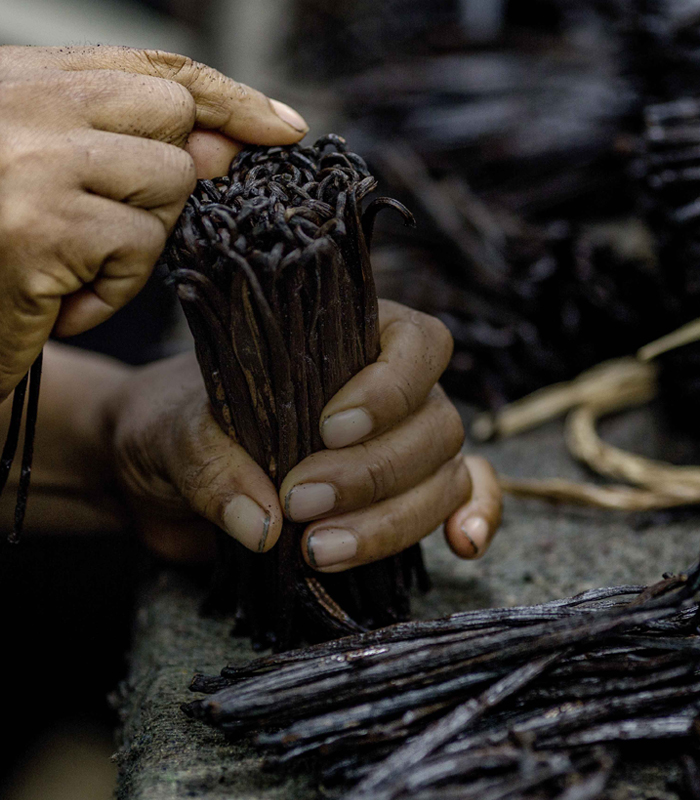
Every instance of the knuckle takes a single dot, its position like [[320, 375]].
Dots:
[[134, 257], [381, 473], [196, 455], [181, 110], [436, 337], [448, 425], [403, 393], [167, 64], [159, 109], [135, 452], [375, 481], [397, 534], [42, 255], [19, 222], [32, 251], [184, 71], [148, 237], [182, 167], [30, 291], [40, 284]]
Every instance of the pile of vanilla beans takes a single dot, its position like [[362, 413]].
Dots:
[[536, 701]]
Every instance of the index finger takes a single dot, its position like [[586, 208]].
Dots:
[[415, 349], [223, 104]]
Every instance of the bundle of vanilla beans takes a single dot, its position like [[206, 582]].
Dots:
[[510, 702], [272, 267]]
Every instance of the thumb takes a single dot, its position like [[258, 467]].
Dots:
[[219, 481], [211, 152], [223, 484]]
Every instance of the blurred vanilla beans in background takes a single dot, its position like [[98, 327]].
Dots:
[[551, 153]]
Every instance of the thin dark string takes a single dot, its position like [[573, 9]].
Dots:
[[28, 451], [10, 448], [32, 380]]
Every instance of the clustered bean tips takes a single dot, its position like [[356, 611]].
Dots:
[[32, 380], [272, 267], [525, 702]]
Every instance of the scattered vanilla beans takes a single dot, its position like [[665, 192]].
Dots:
[[500, 702], [272, 268], [32, 382]]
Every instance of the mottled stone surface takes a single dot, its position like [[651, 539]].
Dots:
[[541, 553]]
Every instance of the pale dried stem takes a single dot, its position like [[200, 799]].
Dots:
[[557, 490], [682, 483], [611, 386], [628, 379]]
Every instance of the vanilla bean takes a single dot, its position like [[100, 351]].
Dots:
[[32, 380], [445, 729], [10, 447]]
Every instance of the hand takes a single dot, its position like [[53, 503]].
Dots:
[[99, 149], [392, 472]]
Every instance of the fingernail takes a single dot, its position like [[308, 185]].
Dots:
[[308, 500], [247, 522], [476, 529], [332, 546], [290, 116], [346, 427]]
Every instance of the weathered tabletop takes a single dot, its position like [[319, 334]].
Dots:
[[542, 552]]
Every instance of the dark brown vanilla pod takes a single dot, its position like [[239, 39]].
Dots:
[[272, 267], [32, 381]]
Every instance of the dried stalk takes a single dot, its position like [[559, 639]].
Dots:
[[679, 483], [609, 387], [614, 498], [686, 334], [272, 268], [623, 381]]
